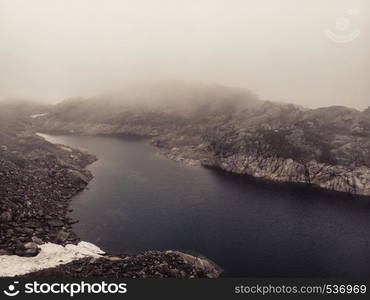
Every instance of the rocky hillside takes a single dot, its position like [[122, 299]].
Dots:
[[37, 182], [326, 147], [230, 128]]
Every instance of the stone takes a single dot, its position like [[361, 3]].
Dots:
[[6, 217], [31, 249], [175, 273], [3, 252], [61, 236], [163, 267], [114, 258], [37, 240], [55, 223], [28, 230]]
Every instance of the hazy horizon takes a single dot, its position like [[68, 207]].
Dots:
[[280, 50]]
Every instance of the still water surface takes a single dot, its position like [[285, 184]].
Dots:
[[139, 200]]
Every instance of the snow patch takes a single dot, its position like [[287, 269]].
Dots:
[[66, 148], [50, 256], [39, 115]]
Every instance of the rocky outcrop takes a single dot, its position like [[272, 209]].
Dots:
[[87, 260], [321, 147], [204, 266], [336, 178], [149, 264]]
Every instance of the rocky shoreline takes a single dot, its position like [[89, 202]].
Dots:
[[354, 181], [326, 147], [37, 182], [195, 150], [149, 264]]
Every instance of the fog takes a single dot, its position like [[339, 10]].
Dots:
[[284, 50]]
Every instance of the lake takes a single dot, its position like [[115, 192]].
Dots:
[[140, 201]]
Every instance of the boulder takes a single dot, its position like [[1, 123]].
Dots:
[[31, 249], [61, 236]]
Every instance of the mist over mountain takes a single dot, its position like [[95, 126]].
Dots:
[[52, 50], [173, 97], [16, 112], [260, 91], [232, 129]]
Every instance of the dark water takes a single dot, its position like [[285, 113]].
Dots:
[[139, 201]]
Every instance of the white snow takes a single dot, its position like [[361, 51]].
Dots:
[[38, 115], [50, 256]]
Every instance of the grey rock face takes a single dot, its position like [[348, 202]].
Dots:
[[336, 178], [317, 147]]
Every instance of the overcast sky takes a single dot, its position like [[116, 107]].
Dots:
[[55, 49]]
